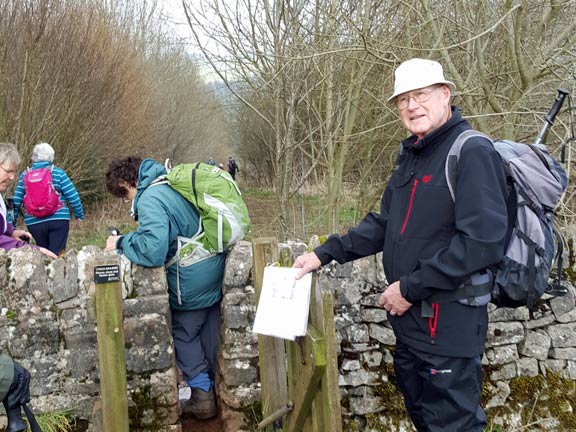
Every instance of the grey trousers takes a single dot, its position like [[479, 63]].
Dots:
[[196, 336]]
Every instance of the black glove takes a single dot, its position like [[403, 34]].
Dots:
[[19, 392]]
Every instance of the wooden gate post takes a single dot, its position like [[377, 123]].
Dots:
[[111, 354], [271, 350]]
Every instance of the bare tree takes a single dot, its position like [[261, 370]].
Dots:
[[100, 80], [318, 75]]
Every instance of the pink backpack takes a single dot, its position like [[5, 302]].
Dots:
[[40, 199]]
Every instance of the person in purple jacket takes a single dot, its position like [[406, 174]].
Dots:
[[11, 238]]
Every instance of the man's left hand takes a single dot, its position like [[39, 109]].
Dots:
[[392, 300]]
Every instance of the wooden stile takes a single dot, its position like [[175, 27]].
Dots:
[[310, 402]]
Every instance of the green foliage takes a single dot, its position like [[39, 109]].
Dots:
[[10, 314], [57, 421], [348, 215]]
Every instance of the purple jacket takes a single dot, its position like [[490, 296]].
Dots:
[[6, 229]]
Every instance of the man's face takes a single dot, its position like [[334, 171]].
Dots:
[[7, 175], [424, 110]]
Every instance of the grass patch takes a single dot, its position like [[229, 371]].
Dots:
[[57, 421], [99, 216], [257, 193]]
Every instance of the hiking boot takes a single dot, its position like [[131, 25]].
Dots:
[[201, 404]]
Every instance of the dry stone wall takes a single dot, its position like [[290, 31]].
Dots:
[[529, 365], [47, 322]]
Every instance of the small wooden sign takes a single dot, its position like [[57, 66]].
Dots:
[[107, 273]]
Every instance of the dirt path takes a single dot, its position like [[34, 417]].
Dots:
[[192, 425], [260, 208]]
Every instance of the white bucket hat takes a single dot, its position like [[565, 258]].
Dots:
[[418, 73]]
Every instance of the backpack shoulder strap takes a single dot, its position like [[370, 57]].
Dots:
[[159, 180], [451, 166]]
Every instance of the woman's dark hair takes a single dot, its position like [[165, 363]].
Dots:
[[122, 170]]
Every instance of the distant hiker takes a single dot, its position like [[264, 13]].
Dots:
[[211, 161], [431, 245], [45, 190], [194, 291], [232, 167], [11, 238]]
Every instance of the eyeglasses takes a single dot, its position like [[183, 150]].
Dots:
[[419, 96], [9, 172]]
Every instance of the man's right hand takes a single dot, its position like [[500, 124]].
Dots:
[[306, 264]]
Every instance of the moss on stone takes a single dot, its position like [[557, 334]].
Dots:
[[373, 423], [539, 397], [349, 425], [562, 400], [524, 388], [390, 398], [253, 415], [144, 402], [570, 271]]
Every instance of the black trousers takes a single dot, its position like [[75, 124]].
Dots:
[[52, 234], [441, 394]]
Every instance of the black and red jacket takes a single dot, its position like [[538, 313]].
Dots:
[[432, 244]]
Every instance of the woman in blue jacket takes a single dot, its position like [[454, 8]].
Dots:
[[194, 290], [50, 232]]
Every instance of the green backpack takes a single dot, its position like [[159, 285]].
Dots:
[[224, 216]]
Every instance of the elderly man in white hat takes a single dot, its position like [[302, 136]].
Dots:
[[431, 245]]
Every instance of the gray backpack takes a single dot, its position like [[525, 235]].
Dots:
[[536, 182]]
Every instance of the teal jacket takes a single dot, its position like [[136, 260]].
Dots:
[[6, 375], [164, 215]]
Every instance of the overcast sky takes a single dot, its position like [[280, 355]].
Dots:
[[175, 17]]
